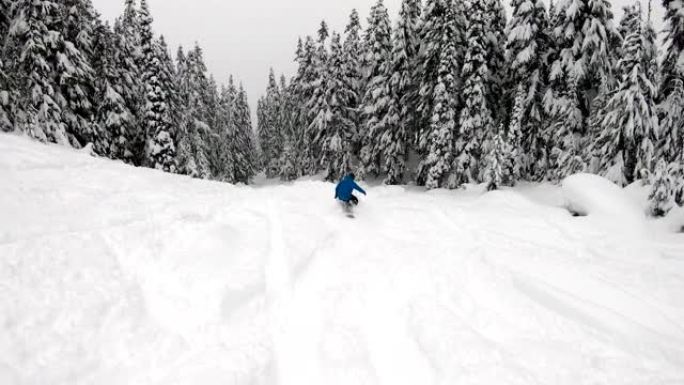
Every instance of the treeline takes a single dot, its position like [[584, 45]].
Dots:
[[455, 93], [66, 77]]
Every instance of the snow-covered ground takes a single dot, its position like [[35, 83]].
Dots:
[[115, 275]]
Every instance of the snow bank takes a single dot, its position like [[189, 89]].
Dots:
[[588, 194], [112, 275]]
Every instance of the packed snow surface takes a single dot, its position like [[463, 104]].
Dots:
[[116, 275]]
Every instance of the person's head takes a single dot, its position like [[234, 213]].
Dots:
[[352, 176]]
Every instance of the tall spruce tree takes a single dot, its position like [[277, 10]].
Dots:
[[527, 48], [112, 116], [33, 32], [435, 169], [672, 83], [317, 107], [8, 88], [476, 120], [631, 123], [376, 98], [400, 119], [246, 152], [269, 133], [160, 150], [337, 144], [352, 52], [435, 24], [498, 94], [73, 72], [581, 68]]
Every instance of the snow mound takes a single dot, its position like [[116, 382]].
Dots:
[[587, 194]]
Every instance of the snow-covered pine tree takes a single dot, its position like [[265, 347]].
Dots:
[[198, 129], [352, 53], [246, 151], [375, 101], [212, 100], [671, 93], [527, 48], [262, 130], [631, 122], [498, 94], [160, 150], [226, 136], [581, 67], [287, 163], [433, 25], [663, 187], [127, 73], [164, 139], [337, 143], [184, 159], [129, 56], [498, 163], [112, 116], [476, 118], [673, 62], [520, 159], [401, 116], [73, 72], [269, 129], [34, 28], [7, 88], [651, 48], [317, 107], [435, 169]]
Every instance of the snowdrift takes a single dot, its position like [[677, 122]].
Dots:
[[587, 194], [114, 275]]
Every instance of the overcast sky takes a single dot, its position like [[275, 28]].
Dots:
[[247, 37]]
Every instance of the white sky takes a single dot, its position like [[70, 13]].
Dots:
[[247, 37]]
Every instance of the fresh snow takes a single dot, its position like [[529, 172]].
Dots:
[[116, 275]]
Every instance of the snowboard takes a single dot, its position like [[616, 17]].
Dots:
[[348, 209]]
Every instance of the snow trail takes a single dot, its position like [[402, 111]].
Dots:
[[115, 275]]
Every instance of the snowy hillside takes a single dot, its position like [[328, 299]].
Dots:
[[115, 275]]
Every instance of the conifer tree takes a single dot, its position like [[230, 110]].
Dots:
[[73, 72], [352, 53], [33, 30], [671, 88], [246, 159], [581, 68], [498, 164], [337, 144], [663, 187], [198, 130], [184, 158], [376, 98], [400, 119], [161, 149], [436, 167], [631, 122], [317, 105], [527, 47], [8, 89], [497, 80], [270, 137], [476, 118], [112, 116], [434, 26]]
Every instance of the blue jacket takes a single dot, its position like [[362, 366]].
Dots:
[[345, 188]]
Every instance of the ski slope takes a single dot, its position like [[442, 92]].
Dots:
[[116, 275]]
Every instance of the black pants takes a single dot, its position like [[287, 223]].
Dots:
[[353, 200]]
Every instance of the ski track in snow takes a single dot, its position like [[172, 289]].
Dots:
[[115, 275]]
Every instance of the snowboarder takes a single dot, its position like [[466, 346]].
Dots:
[[345, 188]]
